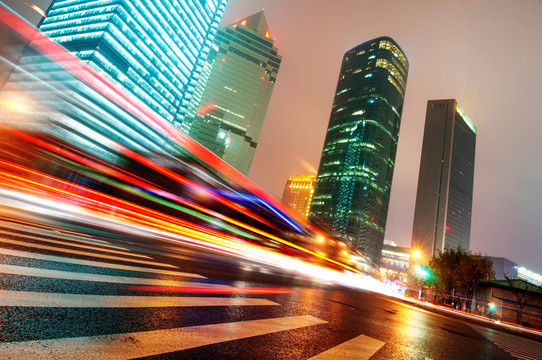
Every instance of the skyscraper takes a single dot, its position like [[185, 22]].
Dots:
[[442, 215], [154, 49], [356, 168], [230, 102], [298, 193]]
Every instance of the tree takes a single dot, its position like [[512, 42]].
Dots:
[[444, 267], [525, 293], [456, 269], [472, 270]]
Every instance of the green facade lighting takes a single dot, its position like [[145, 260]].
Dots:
[[356, 168]]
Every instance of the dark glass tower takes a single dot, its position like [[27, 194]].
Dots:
[[354, 179], [442, 216]]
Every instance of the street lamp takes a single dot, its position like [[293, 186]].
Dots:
[[420, 271]]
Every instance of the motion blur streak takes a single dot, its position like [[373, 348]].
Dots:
[[74, 146], [206, 290]]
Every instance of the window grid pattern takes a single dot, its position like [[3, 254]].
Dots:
[[154, 49], [354, 178], [229, 105]]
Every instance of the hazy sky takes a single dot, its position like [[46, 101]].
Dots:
[[487, 54]]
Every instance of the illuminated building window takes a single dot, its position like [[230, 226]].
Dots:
[[350, 195]]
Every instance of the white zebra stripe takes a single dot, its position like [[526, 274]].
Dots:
[[148, 343], [74, 261], [71, 275], [57, 300], [77, 252], [358, 348], [100, 247]]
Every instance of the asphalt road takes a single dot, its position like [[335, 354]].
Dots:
[[71, 291]]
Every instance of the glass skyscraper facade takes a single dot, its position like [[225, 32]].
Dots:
[[442, 216], [356, 168], [154, 49], [228, 108]]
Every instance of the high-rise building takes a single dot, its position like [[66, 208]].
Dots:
[[298, 193], [154, 49], [442, 215], [228, 108], [10, 51], [356, 168]]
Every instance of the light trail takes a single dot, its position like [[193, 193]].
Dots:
[[208, 290], [85, 158]]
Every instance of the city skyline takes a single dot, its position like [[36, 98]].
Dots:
[[455, 50], [441, 40]]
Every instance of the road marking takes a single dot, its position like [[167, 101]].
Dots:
[[358, 348], [77, 252], [74, 261], [517, 346], [519, 352], [51, 230], [72, 275], [149, 343], [70, 243], [57, 300]]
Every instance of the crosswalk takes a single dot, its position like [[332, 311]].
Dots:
[[359, 348], [520, 352], [519, 347], [34, 260], [133, 345]]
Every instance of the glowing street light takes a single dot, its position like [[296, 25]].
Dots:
[[416, 254], [421, 271]]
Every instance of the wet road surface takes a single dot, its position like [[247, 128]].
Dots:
[[75, 292]]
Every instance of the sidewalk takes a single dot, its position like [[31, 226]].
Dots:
[[495, 324]]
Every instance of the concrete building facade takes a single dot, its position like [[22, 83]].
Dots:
[[442, 216]]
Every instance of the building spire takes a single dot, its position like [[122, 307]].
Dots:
[[257, 22]]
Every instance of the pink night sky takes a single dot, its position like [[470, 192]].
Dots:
[[484, 53]]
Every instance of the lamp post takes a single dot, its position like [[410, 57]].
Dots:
[[420, 271]]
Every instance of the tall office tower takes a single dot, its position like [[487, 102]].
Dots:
[[354, 178], [298, 193], [442, 214], [155, 49], [10, 52], [229, 105]]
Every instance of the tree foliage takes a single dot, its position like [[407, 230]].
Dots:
[[456, 269]]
